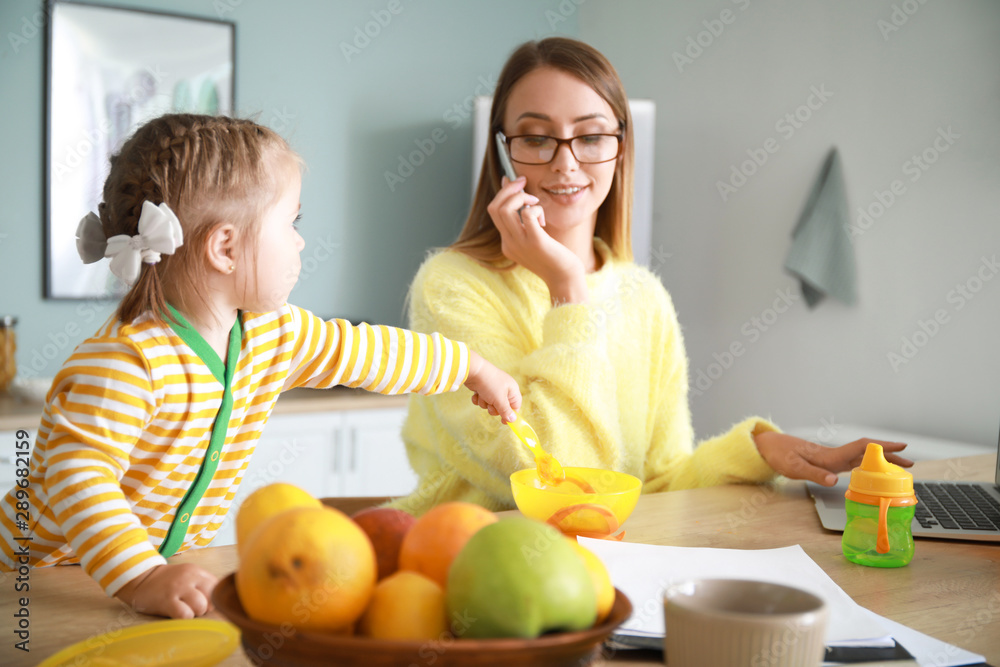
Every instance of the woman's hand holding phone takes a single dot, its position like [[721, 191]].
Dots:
[[520, 222]]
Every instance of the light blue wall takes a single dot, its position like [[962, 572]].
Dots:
[[351, 121]]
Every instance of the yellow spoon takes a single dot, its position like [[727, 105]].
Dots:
[[549, 470]]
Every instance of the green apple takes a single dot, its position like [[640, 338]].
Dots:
[[519, 577]]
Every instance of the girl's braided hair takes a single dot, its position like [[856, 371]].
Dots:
[[210, 170]]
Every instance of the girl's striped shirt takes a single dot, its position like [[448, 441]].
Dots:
[[129, 418]]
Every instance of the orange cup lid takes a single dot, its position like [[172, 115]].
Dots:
[[877, 477]]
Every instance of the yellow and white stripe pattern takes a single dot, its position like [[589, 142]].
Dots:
[[129, 417]]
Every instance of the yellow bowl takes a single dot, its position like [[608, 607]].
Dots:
[[571, 509]]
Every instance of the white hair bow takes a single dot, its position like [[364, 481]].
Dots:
[[159, 234]]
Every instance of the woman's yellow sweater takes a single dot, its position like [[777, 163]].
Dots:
[[604, 385]]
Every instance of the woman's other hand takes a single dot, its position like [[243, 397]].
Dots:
[[524, 241], [800, 459]]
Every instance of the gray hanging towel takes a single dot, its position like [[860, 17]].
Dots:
[[822, 256]]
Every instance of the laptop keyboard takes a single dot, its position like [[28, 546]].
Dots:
[[954, 506]]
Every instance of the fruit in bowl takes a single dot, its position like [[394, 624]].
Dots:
[[439, 535], [312, 567], [267, 501], [306, 591], [590, 502], [519, 578], [386, 527]]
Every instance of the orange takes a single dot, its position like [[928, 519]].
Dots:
[[587, 519], [267, 501], [405, 605], [436, 538], [311, 567], [599, 575]]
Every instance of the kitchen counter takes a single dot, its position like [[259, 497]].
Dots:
[[18, 413]]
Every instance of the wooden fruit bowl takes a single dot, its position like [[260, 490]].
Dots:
[[267, 644]]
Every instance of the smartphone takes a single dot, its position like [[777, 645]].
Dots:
[[508, 167]]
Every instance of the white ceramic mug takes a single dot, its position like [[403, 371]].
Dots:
[[740, 623]]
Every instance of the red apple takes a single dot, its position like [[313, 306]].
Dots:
[[386, 527]]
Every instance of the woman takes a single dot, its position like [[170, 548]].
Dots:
[[541, 281]]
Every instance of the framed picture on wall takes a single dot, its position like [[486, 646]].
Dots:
[[109, 70]]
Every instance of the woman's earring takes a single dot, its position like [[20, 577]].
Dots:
[[232, 267]]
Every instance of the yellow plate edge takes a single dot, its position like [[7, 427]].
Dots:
[[224, 628]]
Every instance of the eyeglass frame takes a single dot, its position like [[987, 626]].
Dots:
[[569, 143]]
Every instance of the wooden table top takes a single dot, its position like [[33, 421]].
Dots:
[[951, 590]]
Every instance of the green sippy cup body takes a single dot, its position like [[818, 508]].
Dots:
[[880, 506], [860, 541]]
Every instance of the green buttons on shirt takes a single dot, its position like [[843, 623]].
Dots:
[[224, 374]]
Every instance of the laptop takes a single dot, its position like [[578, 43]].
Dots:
[[945, 509]]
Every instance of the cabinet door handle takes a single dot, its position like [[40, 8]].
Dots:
[[354, 448], [336, 452]]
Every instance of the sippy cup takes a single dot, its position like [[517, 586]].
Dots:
[[880, 504]]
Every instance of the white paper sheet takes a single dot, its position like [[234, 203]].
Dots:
[[644, 571], [927, 651]]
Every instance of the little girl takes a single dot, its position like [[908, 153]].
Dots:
[[150, 424]]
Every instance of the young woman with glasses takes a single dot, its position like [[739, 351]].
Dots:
[[541, 281]]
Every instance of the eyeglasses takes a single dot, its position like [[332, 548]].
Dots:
[[587, 149]]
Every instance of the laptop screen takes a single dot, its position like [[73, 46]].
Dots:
[[996, 475]]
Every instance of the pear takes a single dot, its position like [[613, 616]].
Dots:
[[520, 578]]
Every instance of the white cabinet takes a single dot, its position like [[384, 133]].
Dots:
[[296, 448], [375, 455], [341, 453]]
